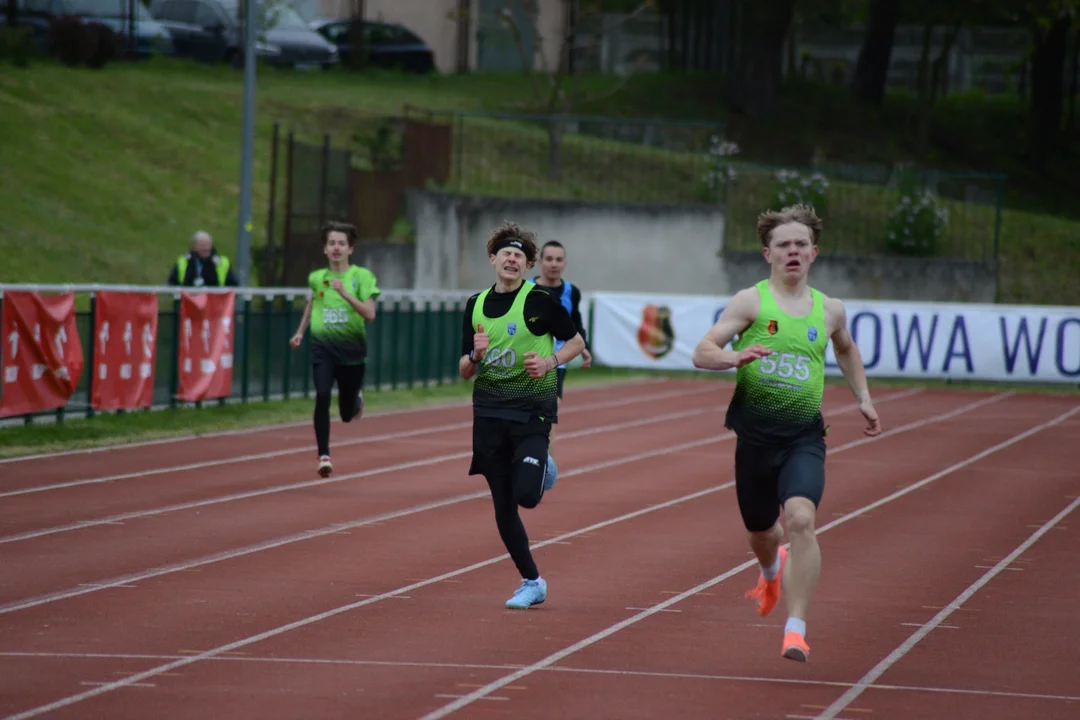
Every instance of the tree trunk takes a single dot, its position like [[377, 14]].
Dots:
[[925, 101], [1074, 68], [1047, 90], [755, 80], [872, 67]]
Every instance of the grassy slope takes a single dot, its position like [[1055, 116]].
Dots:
[[111, 171]]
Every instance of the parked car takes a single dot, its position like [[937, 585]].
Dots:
[[389, 45], [210, 31], [151, 37]]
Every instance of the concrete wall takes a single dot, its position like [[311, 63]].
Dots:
[[880, 278], [644, 248], [631, 247], [394, 264]]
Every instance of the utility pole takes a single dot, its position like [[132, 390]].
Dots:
[[244, 224]]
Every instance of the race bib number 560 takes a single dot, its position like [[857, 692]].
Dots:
[[335, 316], [786, 365]]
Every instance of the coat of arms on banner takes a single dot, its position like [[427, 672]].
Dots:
[[656, 336]]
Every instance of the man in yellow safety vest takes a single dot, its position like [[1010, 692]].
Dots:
[[202, 266]]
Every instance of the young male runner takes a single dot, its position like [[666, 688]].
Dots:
[[783, 326], [342, 303], [508, 343], [552, 266]]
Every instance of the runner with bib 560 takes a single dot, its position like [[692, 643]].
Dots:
[[783, 327], [508, 344]]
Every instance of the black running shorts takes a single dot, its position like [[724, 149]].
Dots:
[[767, 476], [560, 378], [512, 456]]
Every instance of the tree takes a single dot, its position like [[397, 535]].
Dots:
[[875, 55], [554, 86]]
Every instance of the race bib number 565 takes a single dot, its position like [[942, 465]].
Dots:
[[335, 316]]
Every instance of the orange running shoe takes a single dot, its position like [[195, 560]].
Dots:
[[795, 647], [767, 592]]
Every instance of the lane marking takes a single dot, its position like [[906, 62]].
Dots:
[[569, 670], [597, 637], [191, 565], [615, 384], [436, 460], [525, 670], [904, 648], [400, 435]]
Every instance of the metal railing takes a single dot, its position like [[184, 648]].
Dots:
[[414, 342]]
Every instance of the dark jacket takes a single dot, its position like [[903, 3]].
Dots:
[[216, 271]]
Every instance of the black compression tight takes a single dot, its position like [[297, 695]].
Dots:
[[350, 381], [511, 529]]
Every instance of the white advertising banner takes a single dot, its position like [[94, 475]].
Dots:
[[896, 339]]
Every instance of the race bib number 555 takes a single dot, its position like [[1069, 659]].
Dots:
[[786, 365]]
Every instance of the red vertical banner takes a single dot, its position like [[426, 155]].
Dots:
[[125, 344], [206, 346], [42, 357]]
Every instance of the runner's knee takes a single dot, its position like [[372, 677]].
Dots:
[[799, 515]]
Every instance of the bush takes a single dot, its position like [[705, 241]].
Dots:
[[916, 225], [796, 189], [105, 45], [80, 43], [16, 45]]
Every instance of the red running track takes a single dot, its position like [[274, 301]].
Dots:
[[220, 577]]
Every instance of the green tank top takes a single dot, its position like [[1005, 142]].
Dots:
[[778, 398], [502, 387], [338, 332]]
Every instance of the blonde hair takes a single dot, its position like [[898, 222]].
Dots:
[[772, 219]]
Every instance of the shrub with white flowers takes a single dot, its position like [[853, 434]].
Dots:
[[795, 188], [916, 225], [718, 170]]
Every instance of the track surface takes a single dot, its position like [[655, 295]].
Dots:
[[220, 577]]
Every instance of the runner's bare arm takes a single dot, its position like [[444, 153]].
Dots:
[[850, 361], [736, 318]]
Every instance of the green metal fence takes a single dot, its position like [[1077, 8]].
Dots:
[[580, 158], [414, 342], [954, 215], [871, 210]]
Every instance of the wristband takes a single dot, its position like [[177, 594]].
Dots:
[[471, 358]]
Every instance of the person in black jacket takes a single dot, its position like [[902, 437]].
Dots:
[[202, 266]]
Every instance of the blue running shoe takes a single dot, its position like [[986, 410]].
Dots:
[[551, 473], [531, 592]]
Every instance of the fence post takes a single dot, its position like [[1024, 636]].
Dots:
[[380, 344], [93, 357], [997, 214], [245, 366], [410, 351], [174, 364], [268, 315], [287, 370], [394, 334]]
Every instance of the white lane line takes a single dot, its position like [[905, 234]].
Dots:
[[186, 565], [307, 448], [597, 637], [374, 520], [896, 655], [82, 524], [561, 669], [274, 632], [301, 423]]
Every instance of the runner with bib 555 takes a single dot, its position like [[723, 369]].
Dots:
[[783, 327]]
